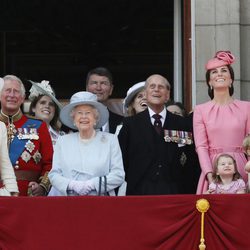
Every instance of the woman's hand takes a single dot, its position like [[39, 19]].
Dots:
[[81, 187], [209, 177]]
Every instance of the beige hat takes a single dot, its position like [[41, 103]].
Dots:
[[43, 88]]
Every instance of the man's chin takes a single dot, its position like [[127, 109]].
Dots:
[[11, 109]]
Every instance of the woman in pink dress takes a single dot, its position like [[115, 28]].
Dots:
[[220, 125]]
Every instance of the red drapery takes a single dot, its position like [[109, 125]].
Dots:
[[123, 223]]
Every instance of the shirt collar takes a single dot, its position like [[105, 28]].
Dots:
[[163, 113]]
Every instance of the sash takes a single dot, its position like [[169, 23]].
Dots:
[[17, 146]]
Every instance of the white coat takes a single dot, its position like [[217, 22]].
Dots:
[[75, 159], [7, 172]]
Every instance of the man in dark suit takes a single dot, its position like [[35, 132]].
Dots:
[[100, 82], [154, 160]]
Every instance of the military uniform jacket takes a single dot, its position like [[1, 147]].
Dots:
[[35, 159], [140, 150]]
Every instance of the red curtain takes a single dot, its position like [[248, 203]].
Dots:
[[123, 223]]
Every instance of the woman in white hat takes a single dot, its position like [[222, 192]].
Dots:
[[46, 107], [88, 162], [135, 101]]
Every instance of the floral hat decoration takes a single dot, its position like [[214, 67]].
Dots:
[[43, 88], [220, 59]]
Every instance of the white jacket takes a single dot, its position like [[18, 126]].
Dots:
[[7, 172]]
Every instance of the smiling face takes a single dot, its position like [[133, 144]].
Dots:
[[220, 78], [85, 117], [101, 86], [157, 92], [44, 109], [139, 103], [225, 166]]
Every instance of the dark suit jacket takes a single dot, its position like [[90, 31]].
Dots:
[[136, 139], [114, 121]]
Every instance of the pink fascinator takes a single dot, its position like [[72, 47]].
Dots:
[[221, 58]]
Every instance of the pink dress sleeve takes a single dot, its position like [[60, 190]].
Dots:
[[201, 141], [242, 184]]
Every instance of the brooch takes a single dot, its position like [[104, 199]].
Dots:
[[183, 159]]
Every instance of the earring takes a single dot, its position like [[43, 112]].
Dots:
[[211, 87]]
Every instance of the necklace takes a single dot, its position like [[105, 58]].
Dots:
[[88, 139]]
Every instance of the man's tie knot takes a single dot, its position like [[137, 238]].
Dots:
[[157, 117], [157, 123]]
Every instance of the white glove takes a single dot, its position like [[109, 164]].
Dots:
[[81, 187]]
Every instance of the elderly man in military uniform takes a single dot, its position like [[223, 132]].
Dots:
[[30, 146], [153, 143]]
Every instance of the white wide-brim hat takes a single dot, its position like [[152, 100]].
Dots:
[[43, 88], [81, 98], [131, 93]]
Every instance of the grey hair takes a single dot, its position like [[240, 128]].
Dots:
[[165, 81], [15, 78], [96, 112]]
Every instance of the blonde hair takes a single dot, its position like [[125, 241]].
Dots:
[[246, 142], [216, 177]]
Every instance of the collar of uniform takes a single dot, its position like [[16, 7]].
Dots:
[[10, 118]]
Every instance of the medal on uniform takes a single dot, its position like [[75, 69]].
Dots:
[[20, 134], [25, 156], [178, 136], [166, 136], [34, 134], [37, 157], [29, 146]]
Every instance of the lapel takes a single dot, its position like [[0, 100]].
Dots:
[[114, 121], [146, 128]]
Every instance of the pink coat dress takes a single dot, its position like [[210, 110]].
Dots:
[[220, 129]]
